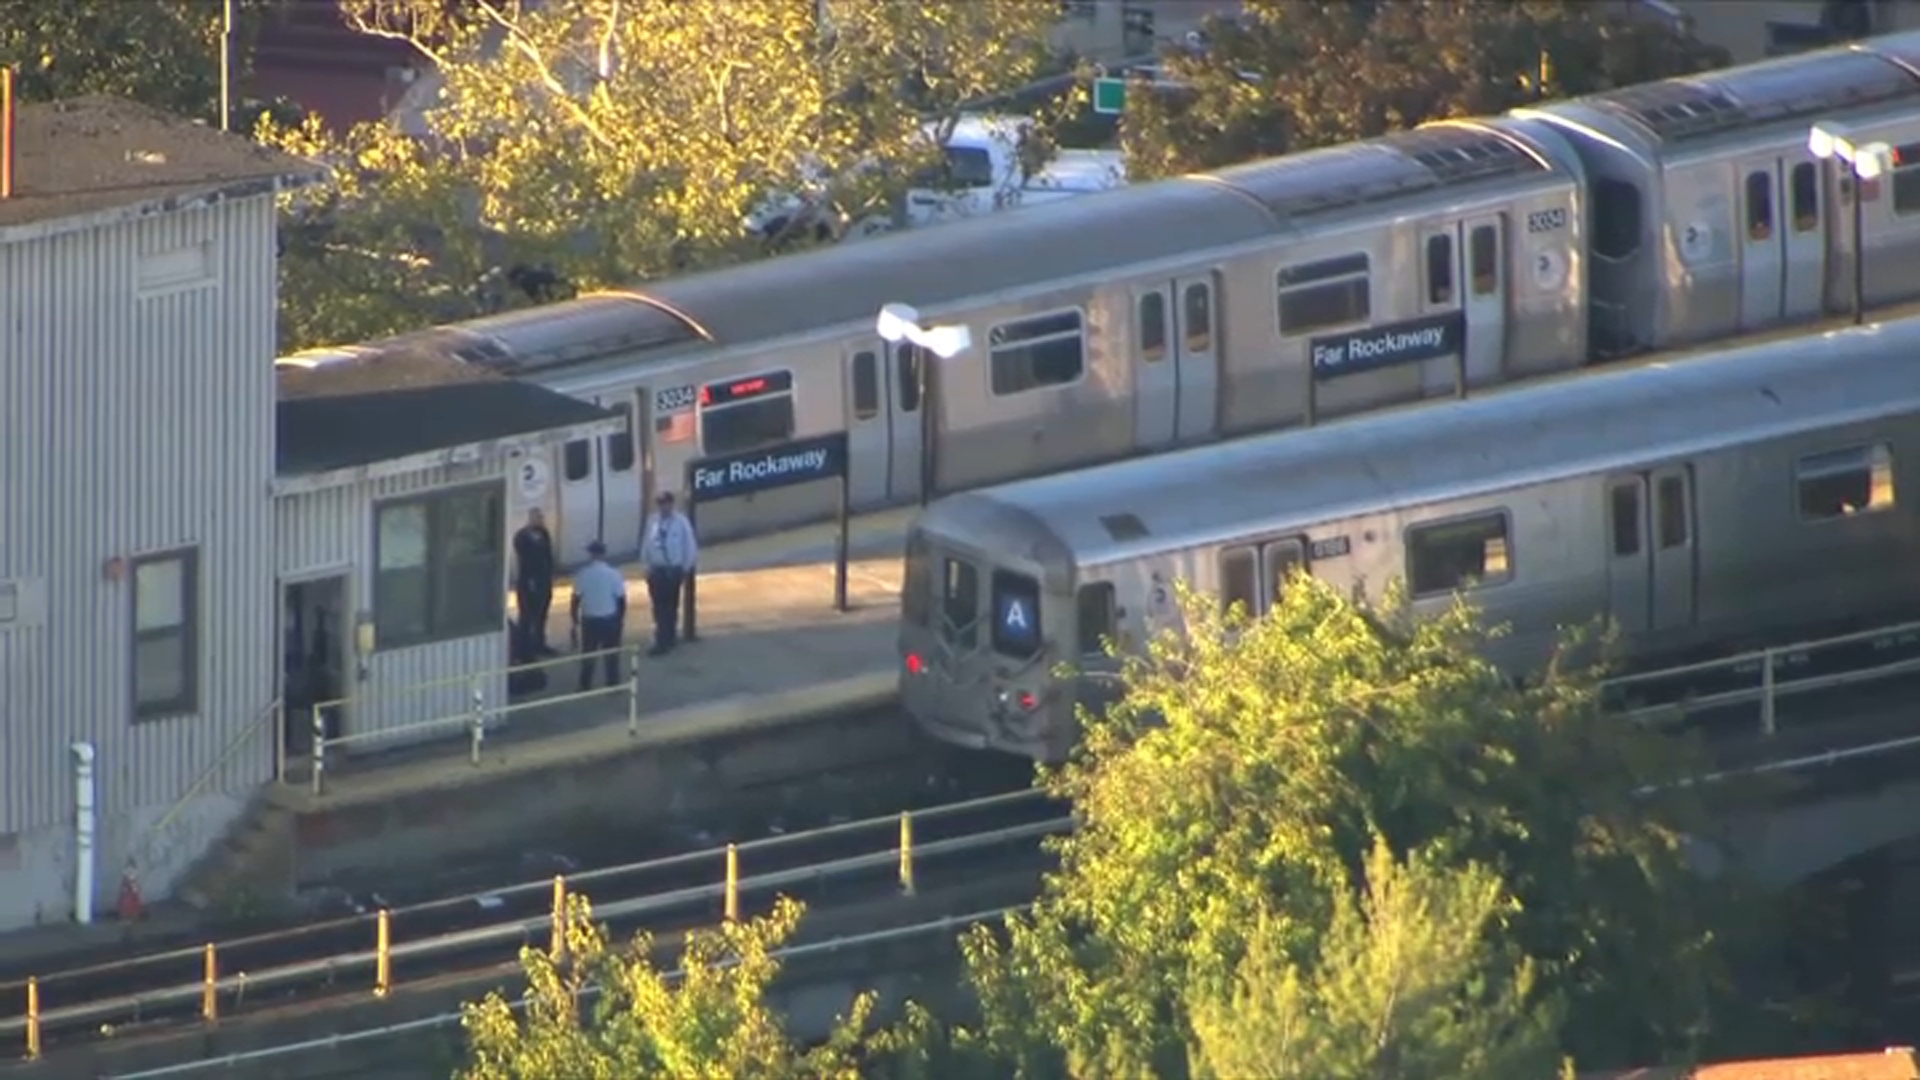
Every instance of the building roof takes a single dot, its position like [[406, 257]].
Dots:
[[89, 155], [347, 415], [1893, 1063]]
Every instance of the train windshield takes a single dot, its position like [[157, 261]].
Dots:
[[1016, 615], [916, 590]]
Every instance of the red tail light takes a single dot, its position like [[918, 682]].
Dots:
[[914, 665], [1027, 701]]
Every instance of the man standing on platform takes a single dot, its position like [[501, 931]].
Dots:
[[669, 550], [533, 584], [599, 612]]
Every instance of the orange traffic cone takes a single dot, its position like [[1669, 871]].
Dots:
[[131, 906]]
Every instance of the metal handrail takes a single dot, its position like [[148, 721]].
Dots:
[[591, 990], [516, 929], [201, 783]]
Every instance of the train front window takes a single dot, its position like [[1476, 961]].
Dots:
[[1016, 615], [916, 591], [960, 604], [1097, 617]]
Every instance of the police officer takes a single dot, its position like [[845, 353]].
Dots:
[[533, 583], [599, 612], [669, 549]]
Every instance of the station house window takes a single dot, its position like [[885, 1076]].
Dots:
[[166, 637], [440, 566]]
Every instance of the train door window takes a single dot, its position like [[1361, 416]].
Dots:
[[1671, 500], [1906, 179], [1806, 197], [1098, 617], [1845, 482], [1153, 327], [916, 586], [866, 386], [1016, 615], [745, 413], [1197, 317], [1035, 353], [1440, 269], [1239, 580], [620, 444], [1483, 249], [906, 359], [1281, 557], [1330, 292], [1458, 554], [1759, 205], [1616, 219], [1625, 512], [960, 604], [577, 459]]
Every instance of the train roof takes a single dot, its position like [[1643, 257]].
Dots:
[[1430, 453], [1800, 89]]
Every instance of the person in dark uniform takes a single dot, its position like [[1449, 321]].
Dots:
[[600, 612], [670, 551], [533, 584]]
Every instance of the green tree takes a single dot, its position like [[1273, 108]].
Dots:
[[1297, 74], [163, 53], [592, 143], [1244, 777], [1414, 980], [712, 1023]]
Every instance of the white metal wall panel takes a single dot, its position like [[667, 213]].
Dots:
[[135, 421], [334, 528]]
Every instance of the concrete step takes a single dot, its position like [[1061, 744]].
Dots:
[[255, 856]]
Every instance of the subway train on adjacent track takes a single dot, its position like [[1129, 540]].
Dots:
[[1756, 493], [1266, 295]]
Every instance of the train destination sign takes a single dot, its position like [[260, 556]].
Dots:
[[799, 462], [1386, 346]]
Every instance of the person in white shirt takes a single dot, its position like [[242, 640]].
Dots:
[[599, 614], [670, 551]]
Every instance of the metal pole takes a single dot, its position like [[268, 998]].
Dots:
[[210, 988], [279, 734], [906, 852], [690, 598], [1859, 248], [633, 690], [733, 883], [923, 376], [383, 953], [226, 66], [477, 723], [85, 828], [33, 1018], [558, 946], [845, 516], [319, 749], [1768, 720]]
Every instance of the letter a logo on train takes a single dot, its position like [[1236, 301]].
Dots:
[[1014, 618]]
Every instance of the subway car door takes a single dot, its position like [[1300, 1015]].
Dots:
[[1279, 559], [1485, 300], [1629, 554], [1196, 341], [1762, 261], [902, 378], [1156, 377], [1673, 547], [869, 426], [1803, 237], [1439, 294], [622, 502], [599, 491], [579, 522]]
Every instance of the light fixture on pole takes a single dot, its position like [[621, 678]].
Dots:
[[1834, 144], [898, 323]]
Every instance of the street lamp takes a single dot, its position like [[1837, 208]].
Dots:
[[1834, 144], [898, 323]]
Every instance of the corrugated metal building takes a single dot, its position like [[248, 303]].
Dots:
[[136, 532]]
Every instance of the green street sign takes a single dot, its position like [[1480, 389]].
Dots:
[[1109, 96]]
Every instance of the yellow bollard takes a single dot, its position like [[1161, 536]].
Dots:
[[383, 954], [733, 883], [33, 1019], [559, 946], [210, 988], [906, 852]]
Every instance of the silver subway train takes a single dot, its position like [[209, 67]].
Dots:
[[1744, 496], [1268, 295]]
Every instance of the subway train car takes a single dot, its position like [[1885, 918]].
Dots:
[[1762, 493], [1463, 254]]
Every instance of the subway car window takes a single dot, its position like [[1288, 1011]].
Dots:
[[1626, 519], [866, 386], [1239, 580], [1673, 512], [906, 358], [1759, 205], [1032, 354], [960, 604], [1198, 317], [1331, 292], [1153, 327], [620, 446], [1439, 269], [916, 587], [1806, 197], [1016, 615], [746, 413], [1845, 482], [1484, 249], [1097, 619], [1458, 554], [577, 459]]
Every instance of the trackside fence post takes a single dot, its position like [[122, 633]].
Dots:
[[33, 1019], [906, 852], [733, 883], [210, 987], [1769, 722], [319, 750], [477, 723], [383, 953], [633, 691], [558, 947]]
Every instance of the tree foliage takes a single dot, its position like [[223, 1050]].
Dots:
[[1242, 783], [1297, 74], [163, 53], [591, 143], [712, 1023], [1414, 979]]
